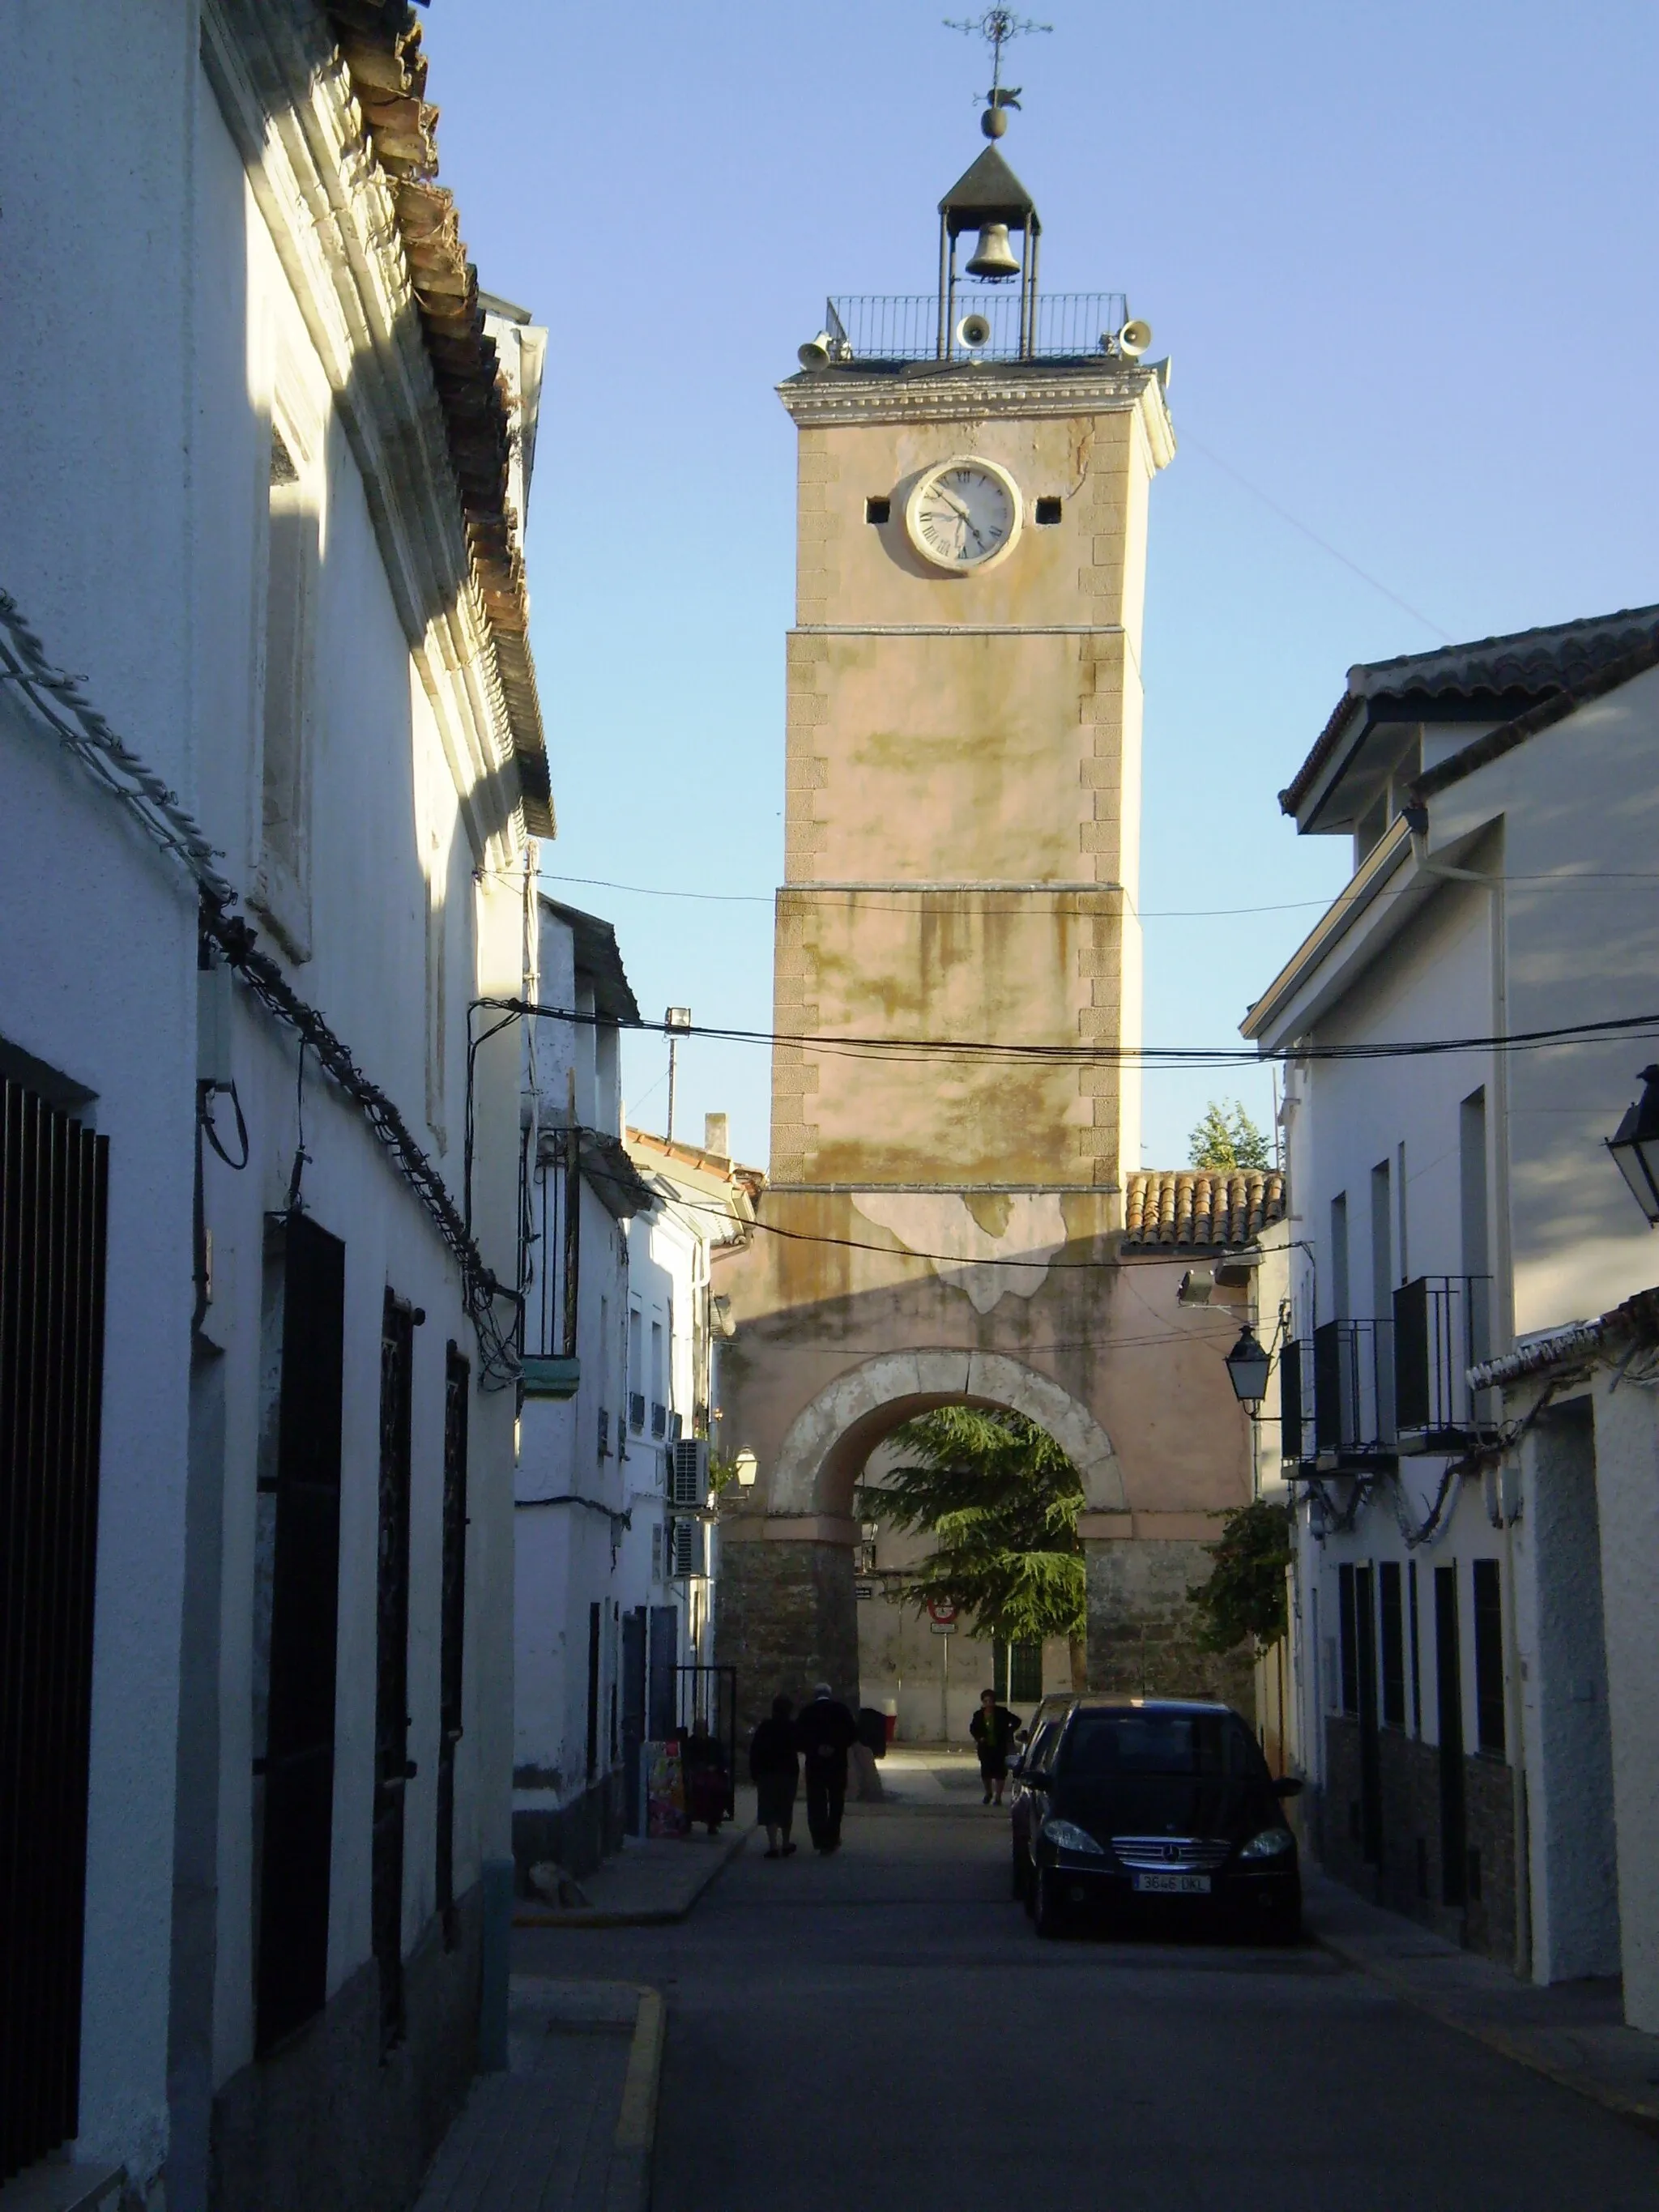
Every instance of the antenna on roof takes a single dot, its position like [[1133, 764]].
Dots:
[[997, 26]]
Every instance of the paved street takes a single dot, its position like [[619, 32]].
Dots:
[[884, 2028]]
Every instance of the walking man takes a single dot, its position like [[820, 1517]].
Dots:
[[826, 1732]]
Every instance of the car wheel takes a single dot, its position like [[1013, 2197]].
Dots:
[[1048, 1910]]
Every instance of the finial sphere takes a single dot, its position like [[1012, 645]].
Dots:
[[993, 122]]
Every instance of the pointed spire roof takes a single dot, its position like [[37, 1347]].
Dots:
[[987, 193]]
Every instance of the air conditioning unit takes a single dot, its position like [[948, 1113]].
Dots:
[[687, 1548], [688, 1474]]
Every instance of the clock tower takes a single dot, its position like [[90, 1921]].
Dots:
[[957, 952]]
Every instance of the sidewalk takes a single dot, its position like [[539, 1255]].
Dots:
[[650, 1881], [569, 2126], [1573, 2032]]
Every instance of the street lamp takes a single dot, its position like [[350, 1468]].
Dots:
[[1635, 1147], [1246, 1368]]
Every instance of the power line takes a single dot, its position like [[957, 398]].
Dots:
[[925, 1048]]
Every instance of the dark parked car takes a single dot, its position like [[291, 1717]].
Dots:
[[1157, 1803]]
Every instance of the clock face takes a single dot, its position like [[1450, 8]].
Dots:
[[964, 515]]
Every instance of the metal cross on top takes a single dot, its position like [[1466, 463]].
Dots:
[[997, 27]]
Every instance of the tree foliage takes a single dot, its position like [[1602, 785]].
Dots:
[[1227, 1138], [1002, 1500], [1244, 1599]]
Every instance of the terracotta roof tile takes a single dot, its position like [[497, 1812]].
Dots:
[[379, 43], [1203, 1209]]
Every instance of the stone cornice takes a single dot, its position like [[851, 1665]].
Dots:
[[328, 206], [824, 399]]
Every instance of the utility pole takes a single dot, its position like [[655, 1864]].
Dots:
[[675, 1018]]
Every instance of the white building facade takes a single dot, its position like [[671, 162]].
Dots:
[[615, 1552], [297, 766], [1449, 1199]]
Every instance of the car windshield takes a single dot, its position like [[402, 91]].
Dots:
[[1103, 1744]]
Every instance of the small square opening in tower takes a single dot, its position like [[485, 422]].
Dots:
[[1047, 510], [877, 510]]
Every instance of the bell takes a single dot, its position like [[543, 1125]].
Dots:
[[993, 256]]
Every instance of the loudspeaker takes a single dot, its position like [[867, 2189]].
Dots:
[[1134, 339], [817, 352], [974, 332]]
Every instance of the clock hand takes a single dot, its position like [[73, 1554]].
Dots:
[[950, 500]]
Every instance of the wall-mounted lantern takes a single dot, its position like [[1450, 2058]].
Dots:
[[1248, 1366], [1635, 1146], [748, 1469]]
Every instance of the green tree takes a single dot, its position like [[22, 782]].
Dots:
[[1244, 1599], [1227, 1138], [1002, 1500]]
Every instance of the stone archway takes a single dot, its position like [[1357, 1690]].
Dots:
[[788, 1613], [828, 1443]]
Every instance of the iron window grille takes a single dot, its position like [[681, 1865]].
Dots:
[[659, 1422]]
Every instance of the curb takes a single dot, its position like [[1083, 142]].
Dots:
[[654, 1916], [1518, 2051], [627, 2184]]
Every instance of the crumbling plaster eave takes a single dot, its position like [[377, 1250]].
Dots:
[[329, 215]]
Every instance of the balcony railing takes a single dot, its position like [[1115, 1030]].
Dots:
[[905, 326], [1442, 1327], [1353, 1408]]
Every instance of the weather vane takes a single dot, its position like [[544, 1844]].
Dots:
[[997, 26]]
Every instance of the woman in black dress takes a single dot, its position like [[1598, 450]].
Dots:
[[775, 1768], [992, 1728]]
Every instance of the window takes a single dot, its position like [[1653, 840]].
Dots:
[[1048, 511], [1340, 1308], [458, 1377], [636, 1363], [298, 1554], [291, 556], [877, 510], [1472, 1195], [391, 1761], [1382, 1294], [53, 1182], [1488, 1659], [1101, 1745], [1416, 1652], [1394, 1645], [1350, 1633], [1017, 1670]]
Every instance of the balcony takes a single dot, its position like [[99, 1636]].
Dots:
[[1358, 1395], [906, 326], [1336, 1399], [1442, 1327]]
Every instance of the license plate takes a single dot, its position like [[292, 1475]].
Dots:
[[1173, 1885]]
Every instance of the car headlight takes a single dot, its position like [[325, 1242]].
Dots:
[[1066, 1836], [1271, 1844]]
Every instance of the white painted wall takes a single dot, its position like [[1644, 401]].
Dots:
[[134, 529]]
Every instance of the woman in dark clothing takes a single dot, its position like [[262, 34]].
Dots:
[[704, 1764], [992, 1728], [775, 1770]]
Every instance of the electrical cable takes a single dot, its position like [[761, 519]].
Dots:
[[924, 1048], [205, 1115]]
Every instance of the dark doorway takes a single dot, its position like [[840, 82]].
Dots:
[[593, 1624], [458, 1383], [54, 1176], [1448, 1690], [1371, 1765], [392, 1765], [660, 1711], [306, 1267], [634, 1625]]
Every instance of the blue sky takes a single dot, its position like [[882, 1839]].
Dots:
[[1402, 258]]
